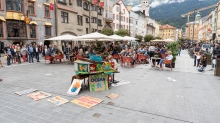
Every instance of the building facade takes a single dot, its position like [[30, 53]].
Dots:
[[141, 24], [15, 26], [133, 23], [108, 13], [190, 31], [167, 32], [78, 17], [218, 23], [120, 16]]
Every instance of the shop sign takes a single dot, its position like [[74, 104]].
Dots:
[[98, 82], [39, 19]]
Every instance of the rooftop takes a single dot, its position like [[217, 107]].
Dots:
[[167, 26]]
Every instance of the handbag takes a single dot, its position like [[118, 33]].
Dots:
[[166, 61], [5, 57]]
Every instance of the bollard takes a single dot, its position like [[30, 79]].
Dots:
[[217, 68], [209, 58]]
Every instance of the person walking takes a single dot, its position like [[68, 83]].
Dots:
[[9, 55], [31, 53], [36, 52], [24, 53], [18, 54], [197, 49]]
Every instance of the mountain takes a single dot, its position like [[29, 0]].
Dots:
[[170, 11]]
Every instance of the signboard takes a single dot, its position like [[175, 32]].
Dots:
[[25, 91], [112, 96], [87, 101], [58, 100], [75, 87], [98, 82], [39, 95]]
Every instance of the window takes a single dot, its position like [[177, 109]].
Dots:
[[79, 20], [123, 10], [48, 30], [124, 19], [64, 16], [99, 22], [47, 11], [93, 7], [113, 16], [87, 30], [99, 11], [79, 3], [85, 6], [93, 19], [31, 8], [127, 20], [32, 31], [16, 28], [117, 9], [117, 26], [131, 20], [15, 5], [113, 25], [117, 17], [62, 1], [1, 29]]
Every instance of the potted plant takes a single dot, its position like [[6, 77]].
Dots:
[[173, 47]]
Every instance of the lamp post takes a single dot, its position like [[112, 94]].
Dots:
[[119, 14], [194, 23]]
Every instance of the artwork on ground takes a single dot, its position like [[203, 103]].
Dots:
[[25, 91], [98, 82], [112, 96], [75, 87], [87, 101], [39, 95], [58, 100]]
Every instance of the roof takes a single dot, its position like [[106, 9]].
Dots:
[[65, 8], [167, 26], [204, 18]]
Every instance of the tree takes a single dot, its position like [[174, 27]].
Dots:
[[139, 37], [122, 32], [157, 37], [107, 31], [148, 38]]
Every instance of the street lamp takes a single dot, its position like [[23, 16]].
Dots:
[[119, 14], [194, 23]]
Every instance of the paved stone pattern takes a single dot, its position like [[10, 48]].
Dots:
[[149, 98]]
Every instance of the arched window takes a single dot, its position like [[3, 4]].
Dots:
[[85, 6]]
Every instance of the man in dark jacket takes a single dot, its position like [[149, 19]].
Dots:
[[216, 55]]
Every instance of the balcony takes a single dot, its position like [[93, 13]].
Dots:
[[107, 19]]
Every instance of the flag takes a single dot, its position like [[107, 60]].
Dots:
[[51, 6], [101, 4], [95, 1]]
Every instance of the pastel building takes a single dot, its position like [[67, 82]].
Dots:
[[120, 16]]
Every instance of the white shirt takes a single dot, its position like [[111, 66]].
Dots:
[[169, 57], [151, 48], [36, 49]]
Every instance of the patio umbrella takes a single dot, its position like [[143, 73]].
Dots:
[[62, 37], [157, 40], [92, 36], [129, 38], [169, 40]]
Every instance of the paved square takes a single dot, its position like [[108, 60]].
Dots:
[[148, 98]]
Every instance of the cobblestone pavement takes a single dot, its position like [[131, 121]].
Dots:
[[148, 98]]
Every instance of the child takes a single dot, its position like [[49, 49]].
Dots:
[[202, 64]]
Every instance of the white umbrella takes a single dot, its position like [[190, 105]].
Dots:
[[169, 40], [92, 36], [157, 40], [129, 38], [62, 37]]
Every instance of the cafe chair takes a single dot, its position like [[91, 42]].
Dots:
[[167, 62]]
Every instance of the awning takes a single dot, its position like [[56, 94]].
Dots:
[[33, 22], [14, 16], [2, 18], [47, 4], [47, 24]]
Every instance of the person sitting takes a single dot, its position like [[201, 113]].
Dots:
[[48, 53], [110, 59], [168, 57], [156, 55]]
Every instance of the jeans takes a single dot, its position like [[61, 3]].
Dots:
[[37, 56], [200, 69], [9, 60], [213, 65], [161, 62], [195, 59], [31, 57]]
